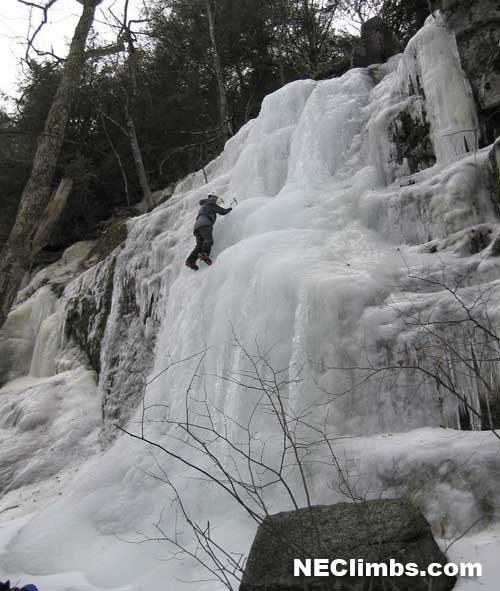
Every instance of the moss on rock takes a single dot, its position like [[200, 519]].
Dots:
[[374, 531], [87, 315], [114, 235], [412, 137]]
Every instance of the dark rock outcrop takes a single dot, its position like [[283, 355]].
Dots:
[[411, 134], [377, 44], [87, 313], [494, 174], [476, 25], [111, 237], [374, 531]]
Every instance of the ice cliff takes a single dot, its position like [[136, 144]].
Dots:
[[360, 201]]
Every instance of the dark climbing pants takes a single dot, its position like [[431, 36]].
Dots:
[[204, 242]]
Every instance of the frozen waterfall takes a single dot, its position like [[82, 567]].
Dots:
[[327, 223]]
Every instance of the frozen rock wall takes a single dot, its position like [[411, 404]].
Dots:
[[338, 254], [476, 25]]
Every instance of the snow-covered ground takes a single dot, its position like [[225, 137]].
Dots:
[[326, 226]]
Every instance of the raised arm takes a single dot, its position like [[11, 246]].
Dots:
[[222, 211]]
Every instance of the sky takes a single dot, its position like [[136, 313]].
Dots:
[[55, 36]]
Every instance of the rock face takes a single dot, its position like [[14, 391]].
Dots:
[[411, 135], [378, 44], [476, 25], [87, 312], [374, 531], [494, 173]]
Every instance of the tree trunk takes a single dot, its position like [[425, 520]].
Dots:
[[225, 120], [17, 252], [311, 33], [52, 214], [132, 133], [139, 164]]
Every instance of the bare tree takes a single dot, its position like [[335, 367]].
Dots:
[[224, 116], [132, 133], [452, 344], [246, 462], [357, 12], [17, 254], [129, 93], [130, 97], [303, 34]]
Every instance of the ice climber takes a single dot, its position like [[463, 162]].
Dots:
[[203, 230]]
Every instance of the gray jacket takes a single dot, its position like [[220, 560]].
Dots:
[[207, 214]]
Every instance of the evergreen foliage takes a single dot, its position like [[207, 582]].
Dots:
[[262, 45]]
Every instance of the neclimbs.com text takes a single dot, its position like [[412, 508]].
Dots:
[[323, 567]]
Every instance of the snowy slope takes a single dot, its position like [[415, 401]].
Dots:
[[327, 224]]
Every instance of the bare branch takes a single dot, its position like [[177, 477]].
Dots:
[[45, 10]]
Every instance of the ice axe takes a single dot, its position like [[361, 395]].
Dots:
[[234, 201]]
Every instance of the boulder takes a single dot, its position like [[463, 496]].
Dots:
[[374, 531]]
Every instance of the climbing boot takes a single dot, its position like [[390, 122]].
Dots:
[[192, 265], [205, 258]]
